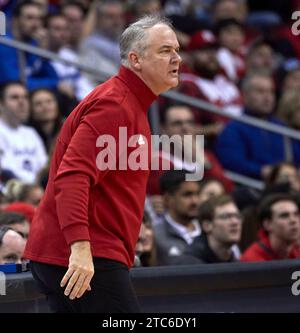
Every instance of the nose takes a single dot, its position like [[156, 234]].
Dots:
[[176, 57]]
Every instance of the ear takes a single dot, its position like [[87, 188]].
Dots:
[[206, 226], [166, 199], [267, 225], [134, 60]]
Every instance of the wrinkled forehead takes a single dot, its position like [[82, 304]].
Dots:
[[161, 35]]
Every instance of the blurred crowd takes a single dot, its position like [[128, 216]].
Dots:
[[238, 55]]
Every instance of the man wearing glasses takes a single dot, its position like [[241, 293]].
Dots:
[[221, 225]]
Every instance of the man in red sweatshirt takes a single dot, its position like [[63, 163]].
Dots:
[[89, 217], [279, 236]]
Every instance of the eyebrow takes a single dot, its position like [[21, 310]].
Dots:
[[169, 47]]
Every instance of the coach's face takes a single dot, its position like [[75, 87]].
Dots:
[[159, 64]]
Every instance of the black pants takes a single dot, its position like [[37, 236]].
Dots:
[[112, 291]]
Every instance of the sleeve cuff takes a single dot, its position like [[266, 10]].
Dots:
[[76, 232]]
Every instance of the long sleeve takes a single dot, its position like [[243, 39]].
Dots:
[[76, 174], [79, 164]]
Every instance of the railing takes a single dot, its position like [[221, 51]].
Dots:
[[101, 75], [235, 287]]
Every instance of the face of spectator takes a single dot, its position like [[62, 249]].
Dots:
[[288, 173], [284, 223], [12, 248], [262, 58], [29, 21], [292, 81], [205, 62], [179, 121], [260, 96], [58, 32], [35, 196], [149, 8], [230, 9], [22, 228], [226, 226], [74, 16], [158, 65], [15, 104], [210, 190], [111, 20], [183, 204], [145, 240], [232, 37], [44, 106]]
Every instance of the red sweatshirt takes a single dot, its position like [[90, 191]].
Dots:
[[82, 202], [262, 250]]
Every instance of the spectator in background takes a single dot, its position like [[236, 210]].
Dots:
[[284, 177], [146, 7], [178, 227], [16, 222], [291, 80], [211, 188], [71, 82], [250, 150], [260, 58], [289, 108], [145, 247], [101, 49], [221, 225], [12, 246], [27, 193], [279, 218], [31, 194], [22, 208], [179, 121], [18, 65], [74, 12], [205, 81], [231, 37], [45, 116], [23, 152], [227, 9]]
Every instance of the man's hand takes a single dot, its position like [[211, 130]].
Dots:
[[80, 271]]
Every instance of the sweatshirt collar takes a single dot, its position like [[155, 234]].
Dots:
[[142, 92]]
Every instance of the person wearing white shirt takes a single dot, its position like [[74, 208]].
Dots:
[[22, 150]]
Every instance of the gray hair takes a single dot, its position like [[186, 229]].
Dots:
[[135, 36]]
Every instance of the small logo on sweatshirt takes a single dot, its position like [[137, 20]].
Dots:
[[141, 140]]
